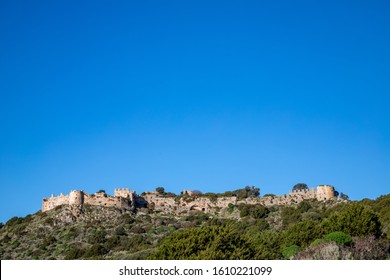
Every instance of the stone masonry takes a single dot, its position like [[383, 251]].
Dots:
[[128, 200]]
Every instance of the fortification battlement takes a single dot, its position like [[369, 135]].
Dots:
[[123, 199], [124, 192], [127, 199]]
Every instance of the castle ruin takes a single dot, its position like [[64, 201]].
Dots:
[[128, 200], [122, 199]]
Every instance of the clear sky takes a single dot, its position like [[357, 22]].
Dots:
[[207, 95]]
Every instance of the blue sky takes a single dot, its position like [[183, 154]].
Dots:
[[207, 95]]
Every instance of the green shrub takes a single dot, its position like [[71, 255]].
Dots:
[[290, 215], [266, 245], [301, 234], [120, 231], [74, 253], [290, 251], [317, 242], [339, 237], [95, 251], [127, 219], [97, 236], [355, 219], [14, 221], [210, 242]]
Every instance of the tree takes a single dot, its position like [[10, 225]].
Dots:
[[355, 219], [160, 190], [344, 196], [300, 187], [207, 243], [254, 191]]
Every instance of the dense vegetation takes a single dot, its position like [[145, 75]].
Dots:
[[308, 230]]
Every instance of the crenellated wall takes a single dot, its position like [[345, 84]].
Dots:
[[79, 198], [126, 199]]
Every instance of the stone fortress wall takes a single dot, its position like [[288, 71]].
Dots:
[[129, 200], [123, 199]]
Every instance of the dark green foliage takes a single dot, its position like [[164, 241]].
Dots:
[[160, 190], [137, 229], [381, 206], [1, 225], [339, 237], [212, 196], [290, 215], [266, 245], [355, 219], [243, 193], [97, 236], [74, 253], [101, 191], [197, 218], [230, 208], [69, 233], [301, 233], [300, 187], [290, 251], [120, 231], [113, 242], [14, 221], [95, 251], [212, 242], [127, 219], [254, 211], [135, 243], [304, 206]]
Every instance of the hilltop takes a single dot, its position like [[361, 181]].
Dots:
[[306, 229]]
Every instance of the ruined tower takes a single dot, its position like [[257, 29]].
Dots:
[[76, 198], [325, 192], [124, 192]]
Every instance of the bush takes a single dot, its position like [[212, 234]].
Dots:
[[266, 245], [304, 206], [317, 242], [230, 208], [160, 190], [127, 219], [211, 242], [97, 236], [137, 229], [95, 251], [120, 231], [354, 219], [74, 253], [14, 221], [290, 251], [290, 215], [301, 234], [339, 237]]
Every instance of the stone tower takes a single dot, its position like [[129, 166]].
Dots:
[[76, 198], [325, 192], [124, 192]]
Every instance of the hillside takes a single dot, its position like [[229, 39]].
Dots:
[[309, 230]]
